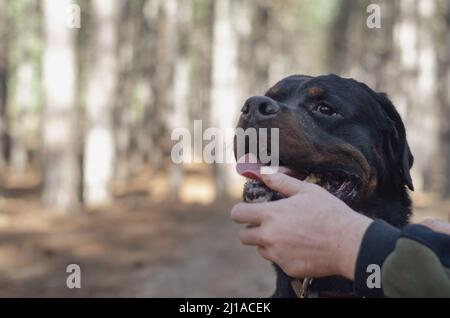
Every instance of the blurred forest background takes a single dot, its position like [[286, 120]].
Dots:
[[86, 116]]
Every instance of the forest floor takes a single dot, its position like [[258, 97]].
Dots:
[[136, 248]]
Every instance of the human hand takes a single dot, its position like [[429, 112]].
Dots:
[[311, 233]]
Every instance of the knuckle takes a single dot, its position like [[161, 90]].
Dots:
[[267, 237], [267, 215]]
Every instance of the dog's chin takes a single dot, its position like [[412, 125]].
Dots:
[[342, 186], [255, 191]]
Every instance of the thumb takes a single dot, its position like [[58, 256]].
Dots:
[[284, 184]]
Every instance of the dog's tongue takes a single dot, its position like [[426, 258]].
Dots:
[[248, 166]]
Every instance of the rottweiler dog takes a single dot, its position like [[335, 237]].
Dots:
[[345, 137]]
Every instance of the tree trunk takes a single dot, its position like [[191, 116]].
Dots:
[[259, 51], [155, 75], [123, 105], [83, 57], [3, 86], [363, 53], [24, 95], [224, 103], [201, 36], [99, 145], [442, 159], [147, 126], [61, 168], [181, 13]]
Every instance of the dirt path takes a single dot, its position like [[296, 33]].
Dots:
[[209, 262], [131, 249]]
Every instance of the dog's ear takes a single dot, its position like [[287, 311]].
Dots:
[[398, 147]]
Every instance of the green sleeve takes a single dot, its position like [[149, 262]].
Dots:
[[414, 270]]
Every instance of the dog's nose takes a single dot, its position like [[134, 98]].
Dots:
[[259, 108]]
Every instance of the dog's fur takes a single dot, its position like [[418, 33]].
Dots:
[[365, 137]]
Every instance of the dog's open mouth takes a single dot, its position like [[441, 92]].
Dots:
[[341, 184]]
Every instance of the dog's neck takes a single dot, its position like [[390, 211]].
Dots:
[[392, 205], [389, 203]]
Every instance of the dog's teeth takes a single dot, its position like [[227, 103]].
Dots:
[[312, 178], [261, 199]]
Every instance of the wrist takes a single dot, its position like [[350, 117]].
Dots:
[[349, 242]]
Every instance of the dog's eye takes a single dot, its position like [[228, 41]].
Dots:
[[325, 109]]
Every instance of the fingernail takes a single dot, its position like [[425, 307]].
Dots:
[[268, 170]]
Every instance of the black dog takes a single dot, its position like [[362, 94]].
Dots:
[[345, 137]]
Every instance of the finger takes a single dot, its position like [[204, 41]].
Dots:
[[252, 213], [284, 184], [247, 213], [251, 236]]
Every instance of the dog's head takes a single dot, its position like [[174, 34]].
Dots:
[[335, 132]]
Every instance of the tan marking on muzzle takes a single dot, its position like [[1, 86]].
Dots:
[[368, 179]]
